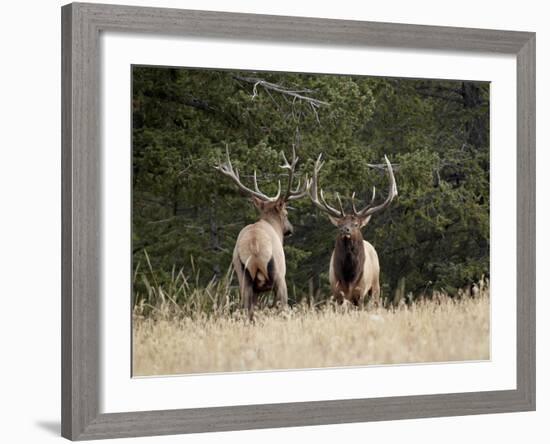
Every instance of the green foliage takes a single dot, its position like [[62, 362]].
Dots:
[[186, 215]]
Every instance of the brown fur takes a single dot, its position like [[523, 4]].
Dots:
[[349, 259], [354, 267]]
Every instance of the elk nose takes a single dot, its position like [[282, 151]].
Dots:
[[346, 232]]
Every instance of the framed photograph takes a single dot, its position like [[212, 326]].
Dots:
[[278, 221]]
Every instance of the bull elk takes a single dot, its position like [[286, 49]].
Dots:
[[354, 267], [258, 256]]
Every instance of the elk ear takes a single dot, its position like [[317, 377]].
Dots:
[[280, 204], [365, 221], [334, 220], [258, 203]]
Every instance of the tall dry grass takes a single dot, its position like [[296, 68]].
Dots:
[[172, 338], [182, 295]]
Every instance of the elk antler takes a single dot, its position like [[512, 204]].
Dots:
[[365, 212], [298, 192], [290, 194], [369, 209], [227, 169], [313, 185]]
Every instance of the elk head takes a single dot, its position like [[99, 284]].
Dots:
[[272, 209], [349, 224]]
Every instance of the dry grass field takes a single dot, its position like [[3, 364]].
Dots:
[[438, 330]]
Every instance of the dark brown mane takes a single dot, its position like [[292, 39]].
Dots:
[[349, 259]]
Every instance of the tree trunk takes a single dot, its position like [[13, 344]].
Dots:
[[399, 292], [476, 126], [214, 237]]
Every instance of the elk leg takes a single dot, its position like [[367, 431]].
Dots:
[[245, 287], [248, 298], [375, 294], [252, 300], [281, 295], [337, 293]]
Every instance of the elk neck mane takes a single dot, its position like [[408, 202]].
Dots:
[[275, 221], [349, 258]]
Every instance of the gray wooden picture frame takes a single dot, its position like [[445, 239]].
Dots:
[[81, 172]]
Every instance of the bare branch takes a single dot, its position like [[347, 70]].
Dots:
[[296, 94]]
